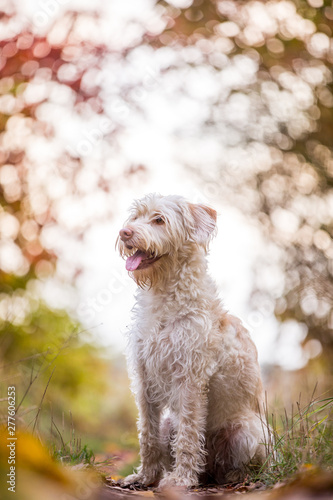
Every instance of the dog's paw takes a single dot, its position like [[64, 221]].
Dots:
[[141, 479], [234, 476], [131, 479], [174, 481]]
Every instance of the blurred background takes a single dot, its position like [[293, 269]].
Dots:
[[224, 102]]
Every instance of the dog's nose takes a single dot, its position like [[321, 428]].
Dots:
[[125, 234]]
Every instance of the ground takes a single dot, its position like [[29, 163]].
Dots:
[[308, 484]]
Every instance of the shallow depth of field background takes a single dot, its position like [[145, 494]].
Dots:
[[224, 102]]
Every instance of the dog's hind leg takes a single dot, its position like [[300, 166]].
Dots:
[[232, 448]]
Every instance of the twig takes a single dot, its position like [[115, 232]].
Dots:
[[56, 428], [40, 405], [24, 359]]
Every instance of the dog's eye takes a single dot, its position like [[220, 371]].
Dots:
[[159, 220]]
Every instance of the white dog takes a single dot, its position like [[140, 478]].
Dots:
[[194, 368]]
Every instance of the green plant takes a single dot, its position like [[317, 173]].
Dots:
[[302, 438], [71, 452]]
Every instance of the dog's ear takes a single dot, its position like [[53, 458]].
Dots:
[[204, 222]]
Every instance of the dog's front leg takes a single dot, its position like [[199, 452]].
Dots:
[[151, 467], [189, 445]]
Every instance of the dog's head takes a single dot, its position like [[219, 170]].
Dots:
[[159, 230]]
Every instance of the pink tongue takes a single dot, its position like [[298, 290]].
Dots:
[[135, 260]]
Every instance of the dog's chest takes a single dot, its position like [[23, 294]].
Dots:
[[171, 342], [164, 353], [162, 357]]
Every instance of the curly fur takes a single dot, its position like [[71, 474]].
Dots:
[[194, 368]]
